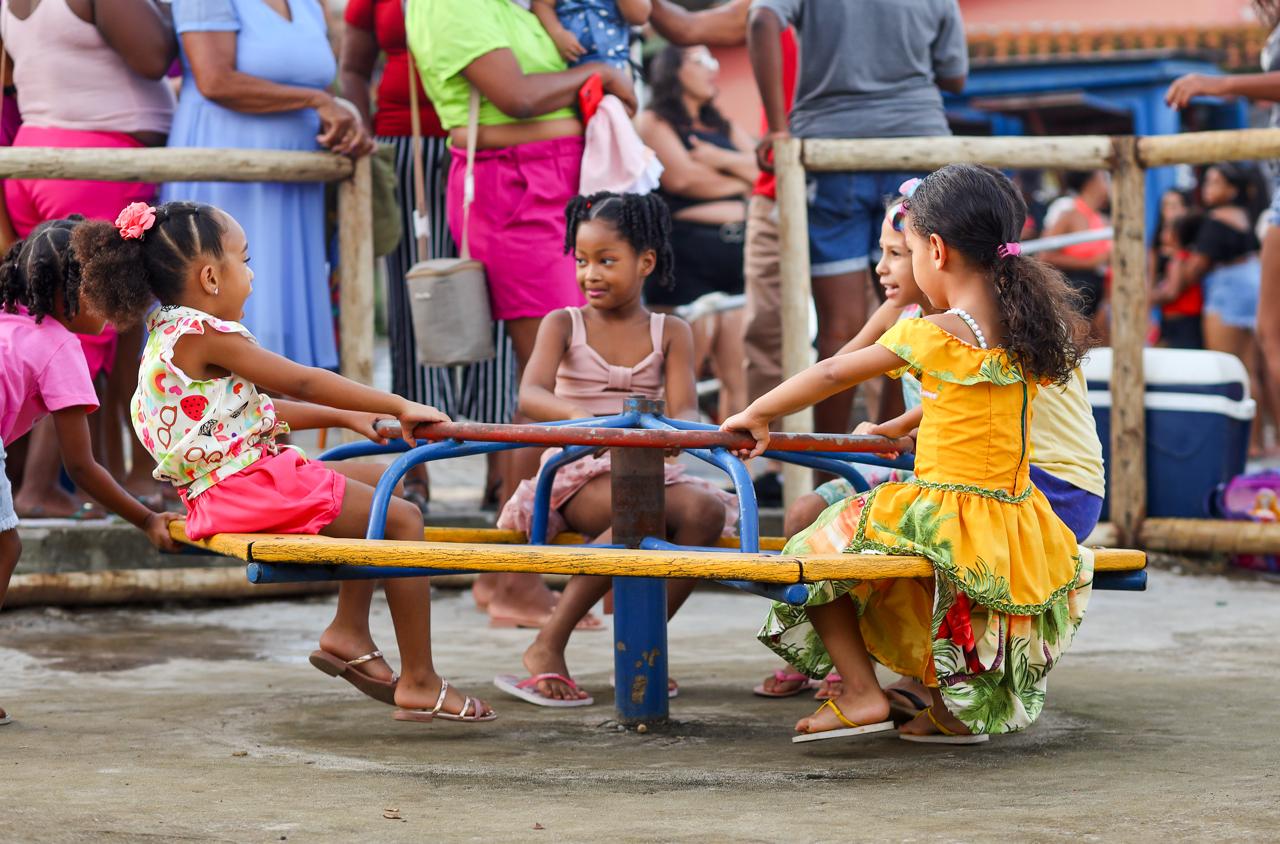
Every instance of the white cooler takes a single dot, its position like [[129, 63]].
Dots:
[[1198, 417]]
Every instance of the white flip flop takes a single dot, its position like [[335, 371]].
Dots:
[[525, 690], [943, 736], [849, 730]]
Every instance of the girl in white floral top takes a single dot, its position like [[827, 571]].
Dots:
[[200, 413]]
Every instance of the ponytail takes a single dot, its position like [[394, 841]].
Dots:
[[1044, 332], [123, 277], [39, 269]]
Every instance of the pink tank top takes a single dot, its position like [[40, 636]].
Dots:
[[589, 381], [68, 77]]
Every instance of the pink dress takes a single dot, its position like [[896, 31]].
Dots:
[[588, 380]]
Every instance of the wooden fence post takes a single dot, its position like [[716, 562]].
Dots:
[[793, 241], [355, 273], [1128, 493]]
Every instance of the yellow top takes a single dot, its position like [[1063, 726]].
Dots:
[[1064, 440], [971, 508]]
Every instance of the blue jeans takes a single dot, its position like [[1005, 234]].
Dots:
[[845, 213]]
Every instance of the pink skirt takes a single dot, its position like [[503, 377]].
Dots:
[[281, 493], [518, 512], [517, 224]]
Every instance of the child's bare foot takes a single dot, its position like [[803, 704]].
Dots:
[[923, 725], [482, 590], [348, 645], [871, 707], [540, 659], [521, 600], [421, 693], [783, 683]]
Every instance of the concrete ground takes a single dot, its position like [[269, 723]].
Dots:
[[208, 724]]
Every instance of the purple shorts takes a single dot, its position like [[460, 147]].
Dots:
[[1079, 510], [517, 224]]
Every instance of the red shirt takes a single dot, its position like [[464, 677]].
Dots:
[[765, 183], [385, 19]]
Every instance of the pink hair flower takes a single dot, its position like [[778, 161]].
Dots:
[[136, 220]]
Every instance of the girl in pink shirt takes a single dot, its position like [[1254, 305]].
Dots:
[[45, 374]]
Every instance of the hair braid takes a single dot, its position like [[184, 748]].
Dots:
[[38, 271], [642, 219]]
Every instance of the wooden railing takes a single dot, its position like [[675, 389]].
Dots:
[[1126, 157], [355, 226]]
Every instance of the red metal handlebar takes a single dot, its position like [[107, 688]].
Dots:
[[638, 438]]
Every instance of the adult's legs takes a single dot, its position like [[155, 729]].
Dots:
[[41, 496], [841, 303], [517, 595], [1221, 337], [728, 351]]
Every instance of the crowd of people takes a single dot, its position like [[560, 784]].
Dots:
[[482, 97]]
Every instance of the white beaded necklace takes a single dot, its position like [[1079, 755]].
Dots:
[[973, 325]]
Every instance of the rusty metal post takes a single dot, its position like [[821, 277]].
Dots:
[[639, 603]]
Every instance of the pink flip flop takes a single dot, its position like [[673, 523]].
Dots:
[[831, 678], [785, 677], [527, 690]]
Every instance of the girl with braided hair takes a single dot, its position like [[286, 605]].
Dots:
[[203, 413], [45, 374], [585, 363]]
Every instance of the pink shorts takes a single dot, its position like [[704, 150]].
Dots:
[[282, 493], [32, 201], [517, 224]]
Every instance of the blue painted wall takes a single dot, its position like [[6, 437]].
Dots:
[[1136, 86]]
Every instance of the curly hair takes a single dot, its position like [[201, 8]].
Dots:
[[642, 219], [38, 270], [124, 277], [668, 96], [975, 210], [1268, 12]]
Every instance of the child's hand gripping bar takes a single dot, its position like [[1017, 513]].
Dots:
[[639, 438]]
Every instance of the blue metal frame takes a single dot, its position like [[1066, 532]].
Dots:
[[640, 607]]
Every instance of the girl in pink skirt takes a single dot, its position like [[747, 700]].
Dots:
[[201, 415], [585, 363]]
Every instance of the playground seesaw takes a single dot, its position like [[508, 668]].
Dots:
[[640, 559]]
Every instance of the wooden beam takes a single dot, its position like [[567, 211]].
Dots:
[[1079, 152], [494, 536], [1128, 493], [1209, 147], [172, 164], [136, 586], [1211, 536], [355, 273], [793, 238]]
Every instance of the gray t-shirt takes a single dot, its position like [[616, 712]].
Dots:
[[867, 67]]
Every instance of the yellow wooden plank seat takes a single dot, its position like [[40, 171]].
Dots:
[[498, 551]]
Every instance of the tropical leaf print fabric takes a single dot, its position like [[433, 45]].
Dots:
[[1010, 585], [198, 432]]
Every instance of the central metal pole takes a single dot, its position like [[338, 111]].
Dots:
[[639, 603]]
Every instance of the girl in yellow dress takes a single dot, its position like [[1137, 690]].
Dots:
[[1010, 584]]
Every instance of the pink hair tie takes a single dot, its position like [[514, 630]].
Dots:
[[136, 220], [1009, 250]]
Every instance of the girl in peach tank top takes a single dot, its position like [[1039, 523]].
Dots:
[[585, 363]]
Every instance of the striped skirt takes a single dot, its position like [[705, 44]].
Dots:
[[481, 392]]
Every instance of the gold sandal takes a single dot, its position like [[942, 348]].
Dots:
[[427, 715]]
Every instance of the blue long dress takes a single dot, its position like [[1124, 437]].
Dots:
[[289, 311]]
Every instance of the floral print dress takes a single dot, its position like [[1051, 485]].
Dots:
[[1010, 584], [198, 431]]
